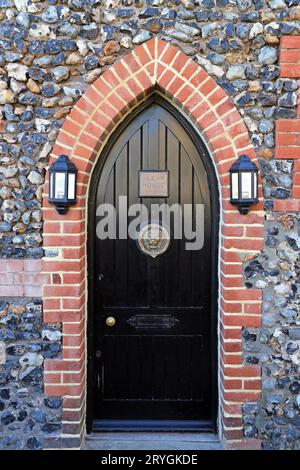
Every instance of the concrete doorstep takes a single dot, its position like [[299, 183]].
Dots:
[[151, 441]]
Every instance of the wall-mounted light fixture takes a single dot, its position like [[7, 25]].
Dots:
[[62, 189], [243, 183]]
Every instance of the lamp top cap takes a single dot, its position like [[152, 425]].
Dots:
[[64, 164], [243, 163]]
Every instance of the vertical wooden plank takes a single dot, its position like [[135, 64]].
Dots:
[[199, 262], [162, 143], [171, 274], [159, 368], [186, 197], [121, 254], [136, 272], [107, 258]]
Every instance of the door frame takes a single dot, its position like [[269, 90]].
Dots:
[[199, 143]]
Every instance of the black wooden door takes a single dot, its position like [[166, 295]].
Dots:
[[153, 368]]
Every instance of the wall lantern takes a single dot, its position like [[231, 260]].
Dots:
[[62, 185], [243, 183]]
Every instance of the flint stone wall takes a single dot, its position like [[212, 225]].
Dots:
[[49, 54], [27, 418]]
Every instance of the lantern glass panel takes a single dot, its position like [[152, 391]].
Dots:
[[71, 186], [51, 183], [255, 185], [60, 181], [235, 185], [246, 183]]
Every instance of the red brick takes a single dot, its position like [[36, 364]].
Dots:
[[184, 94], [62, 291], [290, 42], [11, 266], [232, 384], [255, 232], [204, 120], [236, 218], [144, 80], [290, 56], [287, 152], [73, 328], [32, 265], [166, 78], [232, 434], [208, 86], [73, 353], [168, 54], [231, 307], [74, 378], [193, 73], [61, 390], [232, 231], [230, 422], [150, 46], [252, 384], [252, 308], [73, 402], [231, 359], [232, 347], [230, 256], [66, 266], [32, 291], [51, 304], [230, 268], [296, 192], [62, 316], [232, 281], [241, 396], [243, 371], [290, 71], [53, 378], [173, 87], [64, 240], [75, 303], [288, 205], [243, 243], [288, 125], [214, 131], [142, 54], [73, 340], [7, 279], [244, 444], [250, 321], [72, 415], [217, 96], [61, 365]]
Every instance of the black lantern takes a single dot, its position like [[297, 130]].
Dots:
[[62, 184], [243, 183]]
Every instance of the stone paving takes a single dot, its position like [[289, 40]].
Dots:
[[152, 441]]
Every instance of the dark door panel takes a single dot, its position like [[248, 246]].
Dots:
[[155, 364]]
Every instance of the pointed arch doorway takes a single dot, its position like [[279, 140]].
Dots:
[[155, 366], [105, 105]]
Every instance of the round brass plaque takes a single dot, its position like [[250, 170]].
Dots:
[[154, 239]]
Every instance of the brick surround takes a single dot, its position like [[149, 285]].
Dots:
[[288, 130], [153, 66]]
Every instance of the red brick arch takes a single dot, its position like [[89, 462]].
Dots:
[[153, 65]]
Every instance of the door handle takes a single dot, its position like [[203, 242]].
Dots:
[[110, 321]]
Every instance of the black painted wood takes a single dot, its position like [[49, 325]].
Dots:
[[157, 367]]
